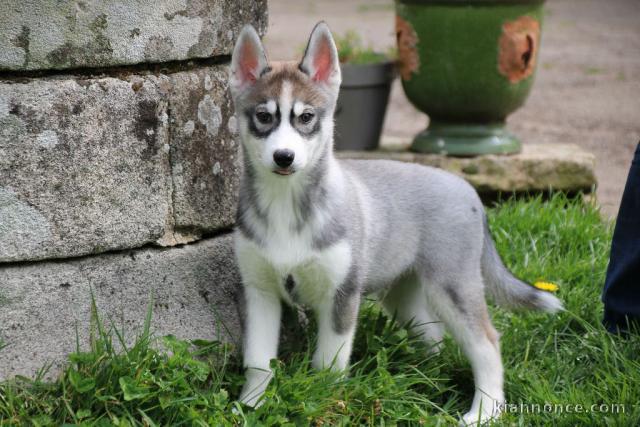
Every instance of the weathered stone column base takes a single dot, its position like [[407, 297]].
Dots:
[[195, 290]]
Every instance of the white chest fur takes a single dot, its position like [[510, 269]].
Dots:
[[286, 241], [316, 274], [319, 277]]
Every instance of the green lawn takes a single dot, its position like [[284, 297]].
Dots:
[[565, 359]]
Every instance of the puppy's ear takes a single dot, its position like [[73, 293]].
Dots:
[[248, 61], [320, 60]]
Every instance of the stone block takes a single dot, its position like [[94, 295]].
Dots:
[[204, 153], [91, 164], [195, 290], [538, 168], [53, 34], [84, 167]]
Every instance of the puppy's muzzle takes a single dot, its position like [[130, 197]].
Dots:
[[284, 160]]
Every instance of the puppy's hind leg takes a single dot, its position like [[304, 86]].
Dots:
[[407, 300], [459, 301]]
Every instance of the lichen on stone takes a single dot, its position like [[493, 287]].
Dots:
[[209, 115]]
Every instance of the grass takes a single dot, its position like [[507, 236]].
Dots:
[[566, 359]]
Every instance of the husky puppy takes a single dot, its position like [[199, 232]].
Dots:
[[323, 232]]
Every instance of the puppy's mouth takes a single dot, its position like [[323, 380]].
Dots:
[[284, 172]]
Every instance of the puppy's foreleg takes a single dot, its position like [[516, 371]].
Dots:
[[262, 330], [336, 328]]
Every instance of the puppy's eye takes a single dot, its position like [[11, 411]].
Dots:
[[264, 117], [306, 117]]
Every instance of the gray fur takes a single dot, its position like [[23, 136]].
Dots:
[[248, 203], [315, 192], [455, 298], [247, 229], [346, 303], [419, 219], [330, 234], [414, 221], [248, 192], [507, 290]]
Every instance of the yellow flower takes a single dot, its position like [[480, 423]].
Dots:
[[546, 286]]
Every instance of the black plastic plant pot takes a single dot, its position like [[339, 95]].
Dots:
[[362, 104]]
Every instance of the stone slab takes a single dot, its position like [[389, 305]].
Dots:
[[195, 291], [89, 164], [53, 34], [538, 168]]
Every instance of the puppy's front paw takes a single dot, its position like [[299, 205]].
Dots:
[[483, 416], [251, 398], [256, 383]]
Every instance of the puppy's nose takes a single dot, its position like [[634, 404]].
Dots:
[[283, 158]]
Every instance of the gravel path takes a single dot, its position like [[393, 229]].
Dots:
[[587, 90]]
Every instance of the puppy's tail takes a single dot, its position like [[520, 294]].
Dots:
[[507, 290]]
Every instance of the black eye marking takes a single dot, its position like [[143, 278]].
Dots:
[[308, 123], [306, 117], [264, 117], [261, 122]]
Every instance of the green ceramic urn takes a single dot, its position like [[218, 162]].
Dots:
[[467, 64]]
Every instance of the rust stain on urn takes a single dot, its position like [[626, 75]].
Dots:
[[408, 59], [519, 48]]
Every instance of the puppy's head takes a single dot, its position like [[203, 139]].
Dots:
[[285, 109]]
